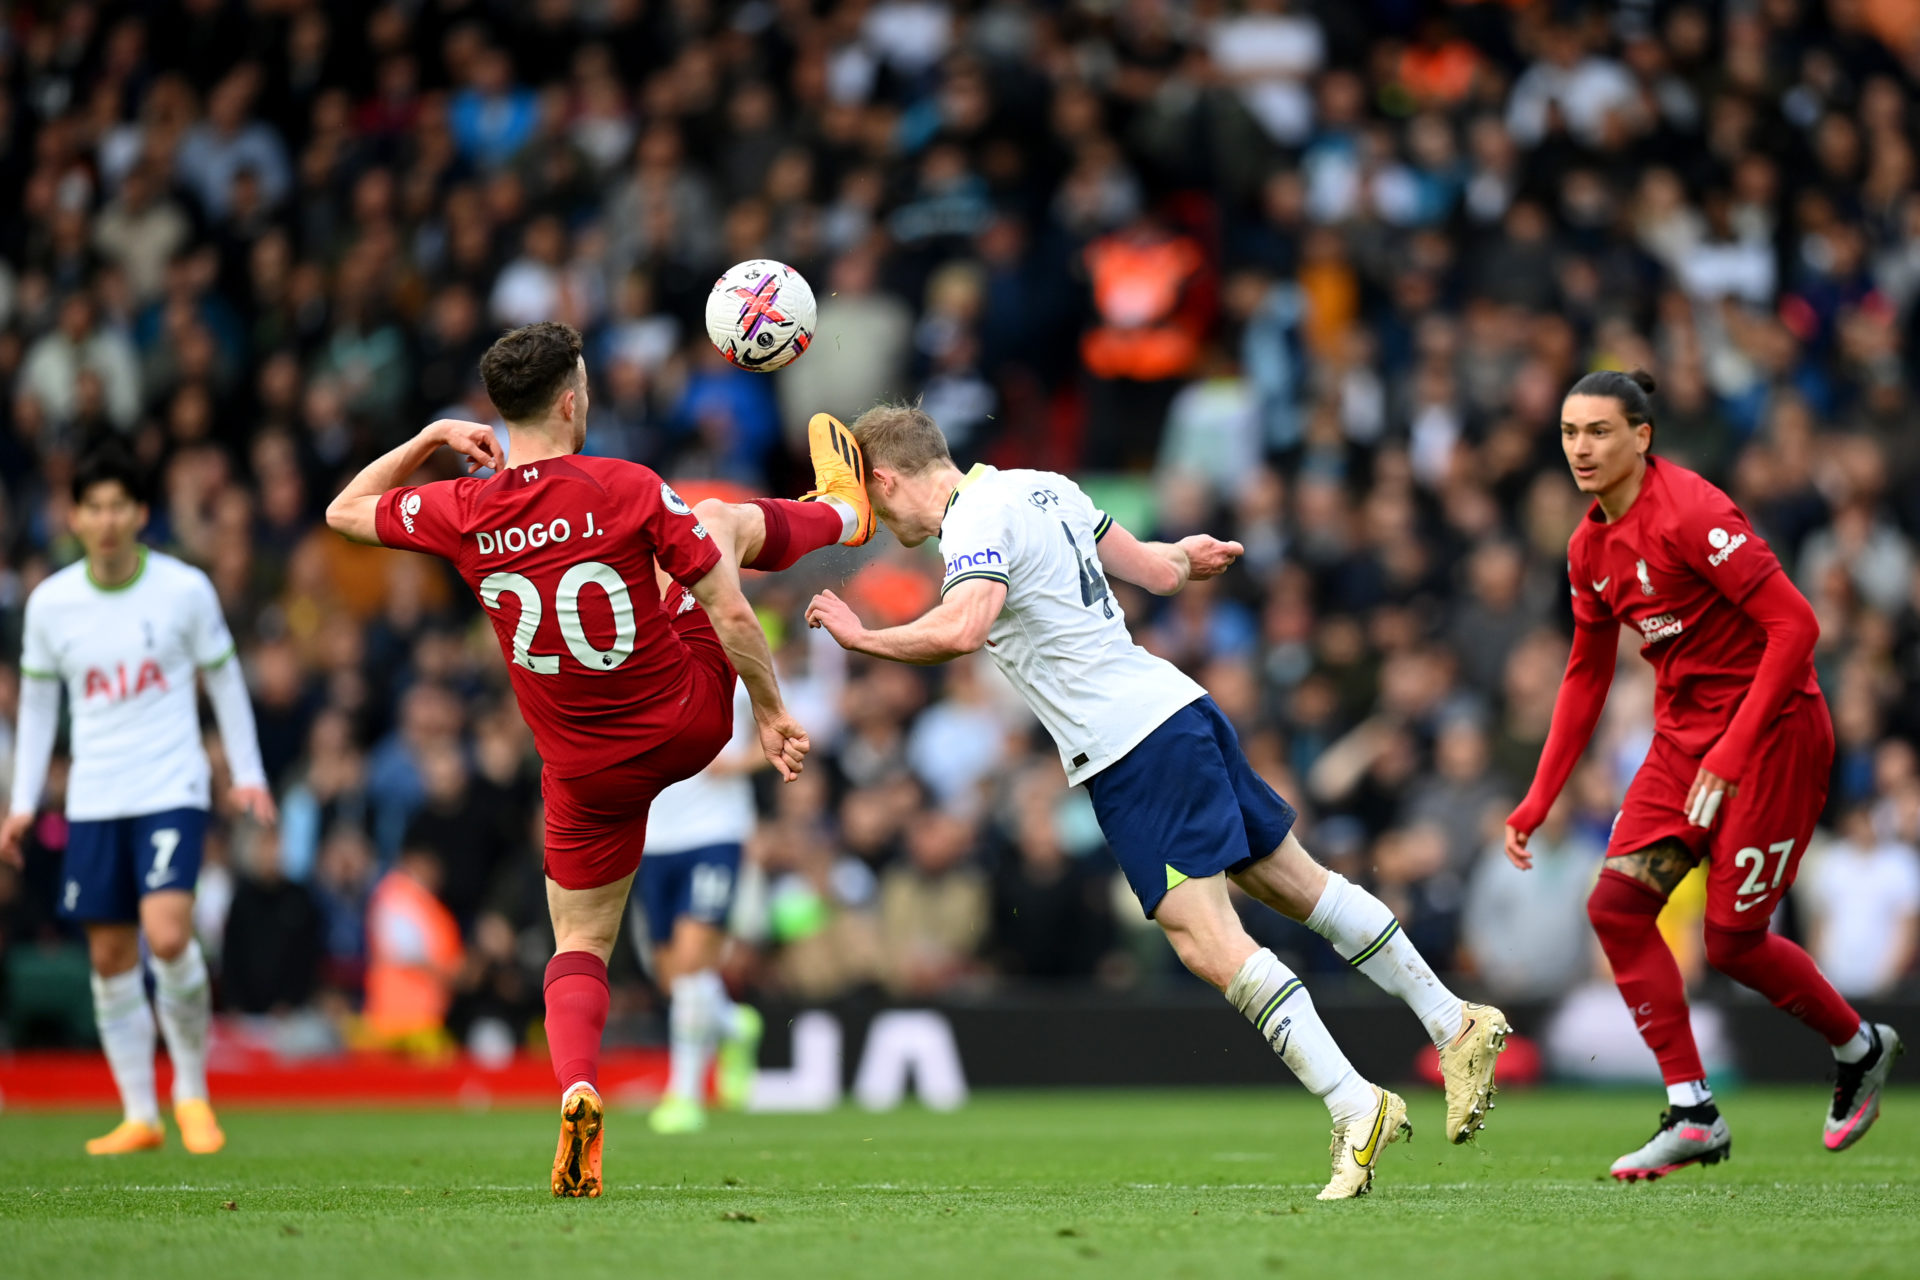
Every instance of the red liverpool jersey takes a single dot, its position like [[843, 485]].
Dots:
[[561, 554], [1675, 568]]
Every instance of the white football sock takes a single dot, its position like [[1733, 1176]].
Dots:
[[725, 1017], [690, 1029], [1856, 1047], [125, 1022], [1689, 1093], [1362, 929], [1276, 1002], [849, 518], [185, 1005]]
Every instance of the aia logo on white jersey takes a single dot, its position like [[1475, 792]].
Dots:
[[115, 685]]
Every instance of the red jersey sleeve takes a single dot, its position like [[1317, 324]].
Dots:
[[423, 517], [1711, 536], [1590, 608], [680, 542]]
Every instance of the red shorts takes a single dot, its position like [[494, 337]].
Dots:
[[597, 824], [1754, 847]]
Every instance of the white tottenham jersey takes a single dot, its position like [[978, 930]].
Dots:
[[128, 655], [710, 807], [1061, 637]]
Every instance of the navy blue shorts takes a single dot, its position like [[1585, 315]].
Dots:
[[113, 863], [697, 884], [1185, 804]]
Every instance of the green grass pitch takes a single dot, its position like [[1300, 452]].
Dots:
[[1195, 1183]]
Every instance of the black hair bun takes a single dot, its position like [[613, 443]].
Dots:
[[1644, 380]]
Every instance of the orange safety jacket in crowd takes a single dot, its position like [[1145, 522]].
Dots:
[[413, 955], [1139, 286]]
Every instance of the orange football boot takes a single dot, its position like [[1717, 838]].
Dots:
[[199, 1131], [127, 1137], [840, 471], [576, 1163]]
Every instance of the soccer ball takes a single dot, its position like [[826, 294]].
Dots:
[[761, 315]]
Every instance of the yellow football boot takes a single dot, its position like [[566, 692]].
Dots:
[[1357, 1146]]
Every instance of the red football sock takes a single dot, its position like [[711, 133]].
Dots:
[[1779, 970], [1623, 910], [795, 528], [577, 999]]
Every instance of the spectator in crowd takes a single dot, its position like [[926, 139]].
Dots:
[[270, 958], [59, 365], [1052, 910], [343, 881], [1525, 934], [1863, 897], [933, 907], [414, 955]]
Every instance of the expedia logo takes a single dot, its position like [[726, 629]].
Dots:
[[409, 508], [1724, 546], [975, 560]]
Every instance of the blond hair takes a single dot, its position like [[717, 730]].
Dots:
[[900, 437]]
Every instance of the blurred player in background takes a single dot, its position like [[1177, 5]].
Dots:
[[695, 833], [1741, 735], [126, 628], [1181, 808], [619, 612]]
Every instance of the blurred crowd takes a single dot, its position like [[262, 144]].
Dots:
[[1310, 275]]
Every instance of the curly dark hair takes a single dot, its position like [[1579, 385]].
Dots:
[[527, 369]]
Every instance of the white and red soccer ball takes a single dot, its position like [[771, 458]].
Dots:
[[761, 314]]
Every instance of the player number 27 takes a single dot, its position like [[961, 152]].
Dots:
[[1754, 863], [566, 605]]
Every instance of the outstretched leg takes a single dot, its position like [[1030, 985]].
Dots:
[[1208, 937], [1468, 1036], [1360, 927], [771, 534]]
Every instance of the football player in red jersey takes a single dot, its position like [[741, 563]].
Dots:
[[619, 611], [1737, 774]]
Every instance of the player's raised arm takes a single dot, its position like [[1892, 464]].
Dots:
[[957, 625], [1163, 567], [352, 513]]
